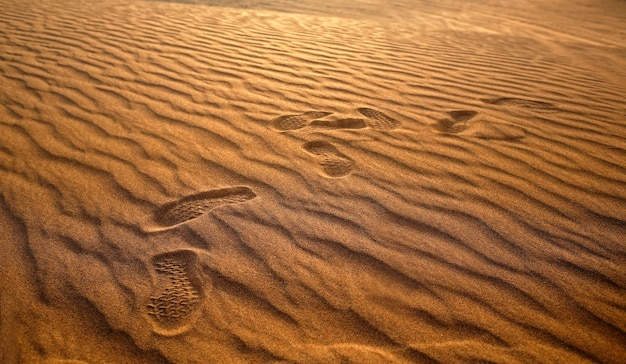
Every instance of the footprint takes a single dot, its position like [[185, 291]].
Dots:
[[377, 120], [525, 103], [333, 162], [298, 121], [190, 207], [350, 123], [178, 293], [456, 123]]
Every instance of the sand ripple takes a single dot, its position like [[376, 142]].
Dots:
[[190, 183]]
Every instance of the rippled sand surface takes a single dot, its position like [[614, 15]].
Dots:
[[318, 181]]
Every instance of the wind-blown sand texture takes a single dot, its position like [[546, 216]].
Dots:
[[360, 181]]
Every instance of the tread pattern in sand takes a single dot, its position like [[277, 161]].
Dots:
[[333, 162], [466, 247], [378, 120], [297, 121], [523, 103], [178, 292], [191, 207]]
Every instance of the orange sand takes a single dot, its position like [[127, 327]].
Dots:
[[363, 181]]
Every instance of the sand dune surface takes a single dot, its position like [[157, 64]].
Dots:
[[315, 181]]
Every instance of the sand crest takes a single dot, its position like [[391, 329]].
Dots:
[[319, 181]]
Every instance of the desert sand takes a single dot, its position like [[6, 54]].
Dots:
[[324, 181]]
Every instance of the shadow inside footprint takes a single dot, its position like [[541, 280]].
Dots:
[[448, 126], [349, 123], [178, 292], [462, 115], [456, 123], [377, 120], [333, 162], [297, 121], [193, 206]]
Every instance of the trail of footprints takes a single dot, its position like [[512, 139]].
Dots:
[[177, 296], [335, 164], [178, 292], [374, 119], [332, 162]]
